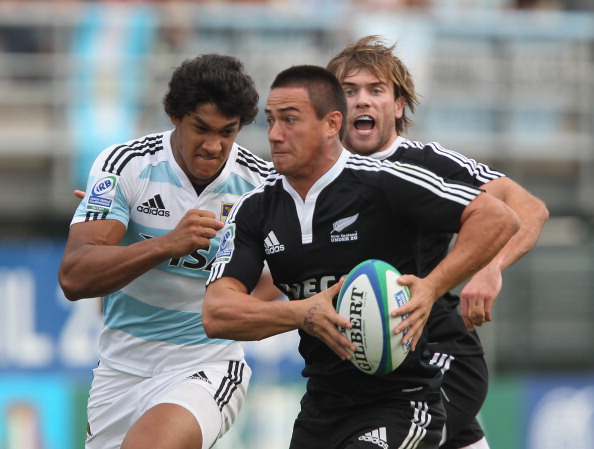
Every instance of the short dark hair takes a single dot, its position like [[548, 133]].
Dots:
[[212, 79], [325, 91]]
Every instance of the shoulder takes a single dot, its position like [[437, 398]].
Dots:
[[254, 200], [445, 162], [135, 153], [252, 163], [358, 163], [364, 165], [380, 173], [415, 150]]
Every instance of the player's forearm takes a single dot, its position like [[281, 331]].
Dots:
[[232, 314], [532, 219], [532, 213], [97, 270], [486, 229]]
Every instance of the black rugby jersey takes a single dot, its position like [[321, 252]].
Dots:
[[360, 209], [447, 333]]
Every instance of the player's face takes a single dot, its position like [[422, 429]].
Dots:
[[202, 141], [295, 134], [372, 111]]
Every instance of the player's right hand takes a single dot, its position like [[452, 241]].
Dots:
[[478, 295], [321, 320], [194, 231]]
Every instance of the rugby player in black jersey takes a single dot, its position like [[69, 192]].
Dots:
[[380, 92], [290, 223]]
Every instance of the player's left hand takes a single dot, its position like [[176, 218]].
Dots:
[[423, 295], [478, 295]]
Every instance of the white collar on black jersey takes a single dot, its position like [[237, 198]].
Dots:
[[326, 178], [305, 208], [381, 155]]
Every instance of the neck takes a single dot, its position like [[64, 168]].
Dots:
[[303, 183]]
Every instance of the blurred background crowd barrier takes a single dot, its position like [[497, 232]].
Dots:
[[509, 83]]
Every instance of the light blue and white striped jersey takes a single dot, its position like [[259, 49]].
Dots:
[[154, 324]]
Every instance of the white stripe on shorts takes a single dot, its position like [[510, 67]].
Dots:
[[229, 383], [418, 427]]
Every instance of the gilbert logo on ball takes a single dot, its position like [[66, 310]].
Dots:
[[369, 293]]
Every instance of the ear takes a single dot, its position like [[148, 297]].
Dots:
[[174, 120], [334, 122], [398, 107]]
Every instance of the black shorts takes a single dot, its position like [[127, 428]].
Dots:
[[402, 424], [464, 389], [447, 332]]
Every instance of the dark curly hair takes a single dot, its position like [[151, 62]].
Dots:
[[212, 79]]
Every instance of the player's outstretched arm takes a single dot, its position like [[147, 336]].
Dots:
[[487, 224], [95, 265], [480, 292], [230, 312]]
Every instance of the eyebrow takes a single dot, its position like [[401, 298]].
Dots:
[[375, 83], [285, 109], [200, 121]]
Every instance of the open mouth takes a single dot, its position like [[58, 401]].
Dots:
[[364, 124]]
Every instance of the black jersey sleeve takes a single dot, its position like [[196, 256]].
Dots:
[[425, 199], [241, 250]]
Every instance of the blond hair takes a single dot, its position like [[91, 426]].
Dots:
[[373, 54]]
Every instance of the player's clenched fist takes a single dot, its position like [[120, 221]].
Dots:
[[194, 230]]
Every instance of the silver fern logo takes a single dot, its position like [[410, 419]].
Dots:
[[341, 225]]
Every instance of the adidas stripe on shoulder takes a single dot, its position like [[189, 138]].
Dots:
[[480, 171], [417, 175], [121, 155], [253, 162]]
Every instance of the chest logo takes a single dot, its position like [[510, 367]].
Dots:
[[154, 206], [336, 235], [225, 209], [272, 245]]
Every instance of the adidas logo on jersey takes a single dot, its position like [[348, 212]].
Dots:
[[154, 206], [377, 436], [200, 375], [272, 245]]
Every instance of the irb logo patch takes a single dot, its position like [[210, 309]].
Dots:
[[102, 194], [226, 246]]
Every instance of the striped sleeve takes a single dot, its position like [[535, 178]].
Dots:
[[417, 194], [446, 163]]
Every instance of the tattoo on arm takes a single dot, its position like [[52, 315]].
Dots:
[[308, 320]]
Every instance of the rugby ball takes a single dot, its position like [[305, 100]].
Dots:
[[368, 295]]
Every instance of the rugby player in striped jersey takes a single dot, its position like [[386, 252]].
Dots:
[[144, 238]]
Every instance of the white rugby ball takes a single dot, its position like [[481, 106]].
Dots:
[[369, 293]]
